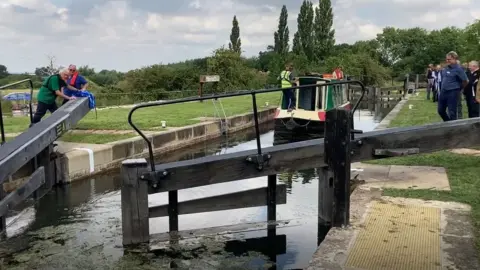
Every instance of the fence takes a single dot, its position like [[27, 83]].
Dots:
[[139, 180]]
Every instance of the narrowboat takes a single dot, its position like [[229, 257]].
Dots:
[[306, 120]]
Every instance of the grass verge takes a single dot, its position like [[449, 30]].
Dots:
[[95, 138], [176, 115], [463, 171]]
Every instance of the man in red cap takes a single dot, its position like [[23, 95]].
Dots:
[[75, 82]]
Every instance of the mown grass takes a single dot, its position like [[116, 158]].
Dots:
[[95, 138], [176, 115], [463, 171]]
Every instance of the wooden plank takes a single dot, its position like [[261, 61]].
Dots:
[[21, 193], [134, 200], [310, 154], [337, 155], [325, 196], [19, 151], [232, 167], [156, 240], [242, 199], [427, 138]]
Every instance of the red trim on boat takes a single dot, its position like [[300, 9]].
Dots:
[[321, 115]]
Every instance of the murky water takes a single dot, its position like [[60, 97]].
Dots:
[[79, 226]]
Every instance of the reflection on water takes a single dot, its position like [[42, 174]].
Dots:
[[89, 211]]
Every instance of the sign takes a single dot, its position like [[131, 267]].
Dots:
[[209, 78]]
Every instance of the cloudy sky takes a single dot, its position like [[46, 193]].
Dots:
[[130, 34]]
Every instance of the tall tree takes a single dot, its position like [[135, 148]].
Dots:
[[281, 36], [235, 41], [324, 34], [305, 29], [3, 71], [297, 46]]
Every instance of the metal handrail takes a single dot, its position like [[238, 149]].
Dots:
[[2, 128], [243, 93]]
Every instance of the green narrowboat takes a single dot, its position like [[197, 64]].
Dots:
[[307, 120]]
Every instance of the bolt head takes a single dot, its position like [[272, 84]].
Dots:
[[142, 177], [249, 159], [165, 173], [154, 185]]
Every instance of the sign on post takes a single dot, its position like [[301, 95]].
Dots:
[[209, 78]]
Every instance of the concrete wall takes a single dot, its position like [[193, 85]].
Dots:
[[86, 160]]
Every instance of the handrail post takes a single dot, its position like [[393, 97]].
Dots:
[[338, 158], [134, 196]]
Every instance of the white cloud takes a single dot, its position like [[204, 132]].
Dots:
[[127, 34]]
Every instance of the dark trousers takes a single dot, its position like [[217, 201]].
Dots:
[[448, 100], [42, 109], [472, 106], [289, 95]]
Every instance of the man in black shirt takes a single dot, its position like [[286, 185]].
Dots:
[[470, 90], [431, 80]]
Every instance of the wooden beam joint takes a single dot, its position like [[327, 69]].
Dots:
[[154, 178], [260, 160]]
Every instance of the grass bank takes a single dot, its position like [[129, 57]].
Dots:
[[463, 171], [176, 115]]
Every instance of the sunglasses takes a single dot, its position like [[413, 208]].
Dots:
[[72, 69]]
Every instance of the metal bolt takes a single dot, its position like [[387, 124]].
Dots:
[[154, 185], [352, 152], [269, 156], [165, 173], [359, 142], [142, 177], [249, 159]]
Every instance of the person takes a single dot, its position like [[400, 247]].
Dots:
[[470, 91], [338, 73], [437, 82], [454, 80], [288, 81], [75, 82], [430, 79], [51, 88]]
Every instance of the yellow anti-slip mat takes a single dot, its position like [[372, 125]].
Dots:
[[398, 237]]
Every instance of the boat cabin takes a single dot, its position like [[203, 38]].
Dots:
[[318, 98]]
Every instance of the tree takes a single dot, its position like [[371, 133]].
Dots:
[[305, 30], [48, 70], [281, 36], [235, 41], [3, 71], [472, 41], [324, 34]]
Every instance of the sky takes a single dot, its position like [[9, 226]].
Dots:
[[130, 34]]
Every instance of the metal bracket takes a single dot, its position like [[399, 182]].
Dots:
[[154, 177], [395, 152], [261, 160]]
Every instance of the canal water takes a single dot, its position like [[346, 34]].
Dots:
[[79, 225]]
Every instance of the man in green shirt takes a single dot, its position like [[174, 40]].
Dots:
[[51, 88]]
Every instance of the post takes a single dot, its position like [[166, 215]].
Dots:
[[134, 196], [338, 158], [417, 82], [2, 130]]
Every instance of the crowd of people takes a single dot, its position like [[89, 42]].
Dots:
[[448, 82], [66, 84]]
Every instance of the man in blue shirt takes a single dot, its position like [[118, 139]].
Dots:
[[76, 81], [454, 80]]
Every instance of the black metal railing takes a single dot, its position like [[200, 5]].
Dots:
[[239, 93], [2, 128]]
